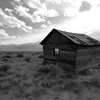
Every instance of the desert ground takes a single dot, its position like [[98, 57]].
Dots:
[[23, 76]]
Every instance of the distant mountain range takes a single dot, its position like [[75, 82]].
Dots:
[[32, 46], [22, 47]]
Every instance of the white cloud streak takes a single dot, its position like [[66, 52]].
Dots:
[[45, 12], [41, 9], [17, 0], [23, 11], [43, 26], [33, 3], [74, 19], [85, 22], [12, 22], [4, 35]]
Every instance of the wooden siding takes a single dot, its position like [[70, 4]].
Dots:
[[49, 61], [66, 54], [76, 51], [58, 39], [88, 58], [47, 50], [61, 47], [69, 58]]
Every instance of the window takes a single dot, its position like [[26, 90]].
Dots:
[[56, 51]]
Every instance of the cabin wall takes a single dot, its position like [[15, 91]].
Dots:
[[87, 58], [65, 58], [48, 54]]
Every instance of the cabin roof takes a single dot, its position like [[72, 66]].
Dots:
[[81, 39]]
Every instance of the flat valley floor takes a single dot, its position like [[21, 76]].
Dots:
[[23, 76]]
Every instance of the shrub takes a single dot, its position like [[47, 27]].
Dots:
[[27, 59], [20, 55], [85, 72], [44, 70], [94, 82], [4, 68], [6, 56], [49, 69], [5, 59], [41, 56]]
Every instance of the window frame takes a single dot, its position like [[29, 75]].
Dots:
[[56, 51]]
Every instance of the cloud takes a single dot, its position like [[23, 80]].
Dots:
[[41, 8], [17, 0], [45, 12], [70, 12], [4, 35], [49, 22], [73, 9], [56, 1], [93, 2], [24, 12], [8, 10], [33, 3], [85, 6], [27, 29], [1, 24], [84, 17], [37, 18], [60, 1], [11, 21], [84, 22], [43, 26], [69, 15], [52, 13]]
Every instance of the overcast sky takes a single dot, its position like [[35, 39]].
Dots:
[[24, 21]]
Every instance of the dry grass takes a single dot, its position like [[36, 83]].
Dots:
[[24, 77]]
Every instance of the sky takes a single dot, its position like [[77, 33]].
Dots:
[[25, 21]]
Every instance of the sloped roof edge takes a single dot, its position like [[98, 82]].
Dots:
[[81, 39]]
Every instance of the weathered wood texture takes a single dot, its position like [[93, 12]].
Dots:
[[87, 58], [66, 53], [75, 51], [65, 59], [59, 39]]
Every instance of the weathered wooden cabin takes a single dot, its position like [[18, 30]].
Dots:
[[71, 50]]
